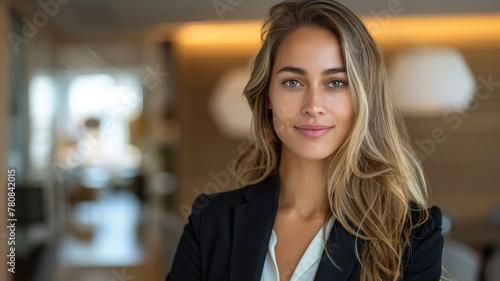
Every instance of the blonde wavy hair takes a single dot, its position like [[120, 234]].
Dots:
[[375, 180]]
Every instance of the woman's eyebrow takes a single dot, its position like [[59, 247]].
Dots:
[[292, 69], [333, 70], [301, 71]]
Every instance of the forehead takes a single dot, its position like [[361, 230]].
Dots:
[[310, 47]]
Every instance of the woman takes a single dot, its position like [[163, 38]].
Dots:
[[333, 190]]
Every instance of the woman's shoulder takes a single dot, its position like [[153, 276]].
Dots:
[[223, 200], [263, 190], [219, 200], [426, 228], [422, 261]]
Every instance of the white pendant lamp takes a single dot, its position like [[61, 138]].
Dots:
[[428, 82], [228, 107]]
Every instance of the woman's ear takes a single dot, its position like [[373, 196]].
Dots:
[[269, 105]]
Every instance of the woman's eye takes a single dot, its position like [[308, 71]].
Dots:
[[291, 83], [336, 84]]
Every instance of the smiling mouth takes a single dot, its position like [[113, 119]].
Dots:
[[313, 131]]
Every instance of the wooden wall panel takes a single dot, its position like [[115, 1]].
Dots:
[[204, 151]]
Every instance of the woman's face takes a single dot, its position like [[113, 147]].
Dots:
[[309, 94]]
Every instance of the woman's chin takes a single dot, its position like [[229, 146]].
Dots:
[[315, 155]]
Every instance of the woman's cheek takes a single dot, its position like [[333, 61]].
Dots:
[[279, 123]]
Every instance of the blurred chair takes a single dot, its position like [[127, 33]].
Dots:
[[460, 261], [34, 240], [494, 216], [492, 268]]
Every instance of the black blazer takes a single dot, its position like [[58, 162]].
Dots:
[[227, 236]]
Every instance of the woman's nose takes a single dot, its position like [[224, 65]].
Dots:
[[313, 103]]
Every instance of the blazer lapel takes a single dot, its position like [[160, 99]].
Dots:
[[340, 245], [253, 223]]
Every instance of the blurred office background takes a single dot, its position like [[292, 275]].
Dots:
[[116, 114]]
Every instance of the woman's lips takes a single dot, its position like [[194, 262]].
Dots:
[[313, 131]]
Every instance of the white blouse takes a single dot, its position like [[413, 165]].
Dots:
[[308, 264]]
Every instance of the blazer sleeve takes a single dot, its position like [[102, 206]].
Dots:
[[186, 265], [424, 258]]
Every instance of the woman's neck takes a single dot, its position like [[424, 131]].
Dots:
[[302, 186]]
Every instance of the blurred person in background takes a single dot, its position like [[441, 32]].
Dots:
[[331, 187]]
